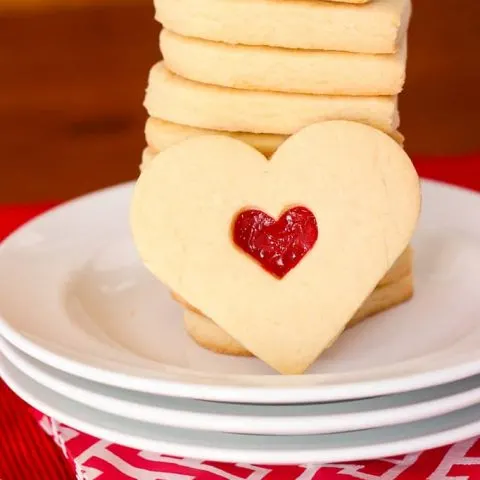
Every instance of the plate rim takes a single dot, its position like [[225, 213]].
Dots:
[[313, 423], [283, 393], [242, 455]]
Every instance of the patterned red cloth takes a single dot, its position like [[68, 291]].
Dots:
[[26, 453]]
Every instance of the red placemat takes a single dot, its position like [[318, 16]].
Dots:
[[27, 453]]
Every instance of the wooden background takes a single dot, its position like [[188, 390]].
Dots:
[[73, 79]]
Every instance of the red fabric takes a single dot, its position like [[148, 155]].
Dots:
[[26, 452]]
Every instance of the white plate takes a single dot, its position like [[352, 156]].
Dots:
[[74, 295], [253, 419], [259, 449]]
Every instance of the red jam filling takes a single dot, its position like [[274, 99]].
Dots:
[[277, 245]]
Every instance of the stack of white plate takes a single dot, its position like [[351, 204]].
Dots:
[[90, 338]]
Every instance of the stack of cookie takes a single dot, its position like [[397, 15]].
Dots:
[[261, 70]]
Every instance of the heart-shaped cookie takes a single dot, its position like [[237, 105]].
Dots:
[[357, 183]]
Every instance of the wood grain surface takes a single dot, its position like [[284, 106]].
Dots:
[[73, 81]]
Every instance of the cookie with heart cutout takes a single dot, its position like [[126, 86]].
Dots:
[[209, 335], [400, 269], [352, 197], [161, 134], [395, 288]]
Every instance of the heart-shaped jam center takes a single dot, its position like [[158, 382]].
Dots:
[[278, 245]]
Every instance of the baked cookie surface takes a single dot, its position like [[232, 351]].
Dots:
[[401, 268], [210, 336], [178, 100], [284, 70], [356, 182], [358, 2], [161, 134], [374, 27]]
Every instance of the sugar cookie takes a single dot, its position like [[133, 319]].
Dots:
[[283, 70], [208, 335], [161, 135], [376, 27], [148, 155], [346, 197], [402, 267], [173, 98]]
